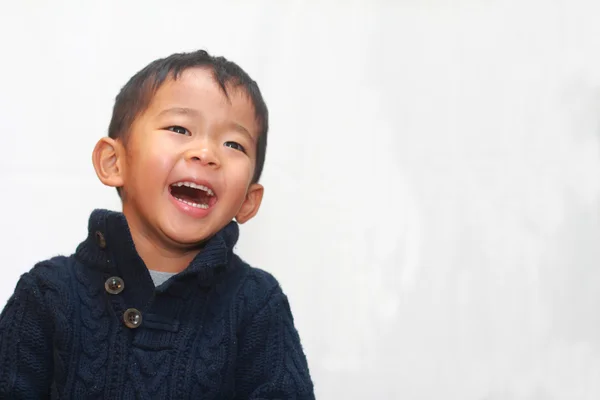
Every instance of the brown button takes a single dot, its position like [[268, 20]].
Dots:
[[132, 318], [114, 285], [100, 240]]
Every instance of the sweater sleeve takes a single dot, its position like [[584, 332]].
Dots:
[[271, 362], [25, 344]]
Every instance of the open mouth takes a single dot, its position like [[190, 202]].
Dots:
[[193, 194]]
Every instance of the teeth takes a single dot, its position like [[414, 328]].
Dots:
[[195, 186], [189, 203]]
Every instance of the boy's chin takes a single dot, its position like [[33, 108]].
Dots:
[[188, 239], [190, 235]]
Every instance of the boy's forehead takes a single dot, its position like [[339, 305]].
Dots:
[[197, 88]]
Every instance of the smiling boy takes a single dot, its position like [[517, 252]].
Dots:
[[154, 303]]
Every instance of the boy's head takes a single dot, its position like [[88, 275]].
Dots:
[[186, 147]]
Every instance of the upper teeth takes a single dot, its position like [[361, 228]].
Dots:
[[195, 186]]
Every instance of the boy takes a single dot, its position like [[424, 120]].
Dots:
[[154, 304]]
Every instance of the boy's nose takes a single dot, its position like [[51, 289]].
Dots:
[[203, 156]]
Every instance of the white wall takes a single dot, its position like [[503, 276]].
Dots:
[[432, 179]]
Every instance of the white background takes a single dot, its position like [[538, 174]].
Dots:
[[432, 177]]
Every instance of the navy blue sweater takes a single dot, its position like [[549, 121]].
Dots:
[[93, 325]]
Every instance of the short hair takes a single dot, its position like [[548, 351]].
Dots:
[[136, 95]]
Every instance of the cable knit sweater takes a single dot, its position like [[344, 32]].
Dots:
[[94, 326]]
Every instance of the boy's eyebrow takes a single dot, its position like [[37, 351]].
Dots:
[[241, 129], [179, 111]]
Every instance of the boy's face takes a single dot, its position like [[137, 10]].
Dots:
[[191, 134]]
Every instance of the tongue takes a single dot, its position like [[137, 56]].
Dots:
[[189, 194]]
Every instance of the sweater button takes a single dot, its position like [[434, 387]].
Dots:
[[132, 318], [100, 240], [114, 285]]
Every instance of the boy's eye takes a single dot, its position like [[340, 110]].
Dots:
[[178, 129], [235, 145]]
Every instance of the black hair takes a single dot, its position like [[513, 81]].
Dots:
[[137, 93]]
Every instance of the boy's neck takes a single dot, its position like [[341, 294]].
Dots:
[[158, 256]]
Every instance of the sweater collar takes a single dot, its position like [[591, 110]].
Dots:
[[109, 246]]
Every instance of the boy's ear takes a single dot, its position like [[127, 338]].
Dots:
[[108, 159], [251, 204]]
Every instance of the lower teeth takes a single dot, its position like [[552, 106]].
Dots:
[[189, 203]]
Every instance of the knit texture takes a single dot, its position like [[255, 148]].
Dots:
[[218, 330]]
